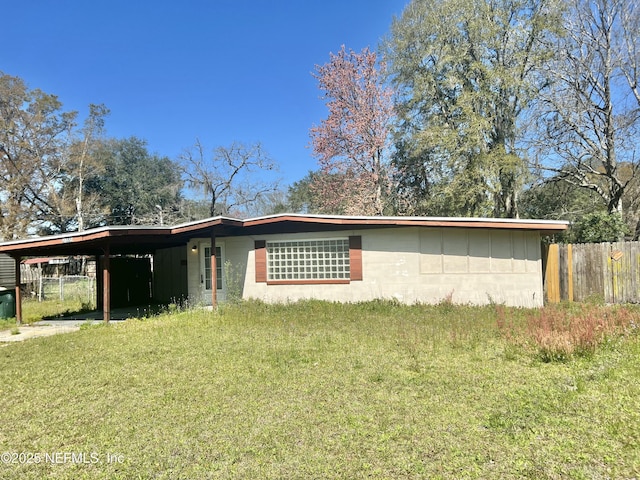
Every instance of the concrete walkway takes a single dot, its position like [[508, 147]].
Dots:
[[70, 323], [34, 331], [44, 328]]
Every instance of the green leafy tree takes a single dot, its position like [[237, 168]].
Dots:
[[555, 199], [135, 186], [465, 71], [300, 196], [598, 227], [311, 194]]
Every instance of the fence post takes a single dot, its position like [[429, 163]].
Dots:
[[570, 272], [40, 283], [552, 274]]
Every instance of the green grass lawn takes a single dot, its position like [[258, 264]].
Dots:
[[317, 390], [34, 311]]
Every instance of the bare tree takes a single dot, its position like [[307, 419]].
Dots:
[[84, 163], [232, 178], [629, 44], [67, 202], [33, 135], [587, 127]]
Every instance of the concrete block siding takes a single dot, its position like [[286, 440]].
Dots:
[[411, 264]]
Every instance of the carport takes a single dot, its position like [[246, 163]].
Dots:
[[105, 243]]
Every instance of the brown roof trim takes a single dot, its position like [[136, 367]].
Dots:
[[83, 237], [545, 225], [163, 235], [202, 224]]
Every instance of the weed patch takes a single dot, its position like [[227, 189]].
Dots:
[[562, 332]]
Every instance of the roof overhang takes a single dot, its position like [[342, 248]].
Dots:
[[148, 239]]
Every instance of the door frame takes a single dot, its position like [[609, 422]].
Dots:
[[206, 292]]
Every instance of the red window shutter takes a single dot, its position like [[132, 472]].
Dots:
[[260, 247], [355, 257]]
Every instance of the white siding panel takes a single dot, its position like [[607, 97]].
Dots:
[[519, 252], [501, 252], [534, 253], [431, 250], [479, 251], [455, 249]]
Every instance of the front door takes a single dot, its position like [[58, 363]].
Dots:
[[206, 279]]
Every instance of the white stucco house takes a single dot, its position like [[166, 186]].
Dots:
[[289, 257]]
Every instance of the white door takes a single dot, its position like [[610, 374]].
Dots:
[[205, 273]]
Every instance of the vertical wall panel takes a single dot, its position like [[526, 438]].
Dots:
[[430, 250], [519, 252], [7, 271], [479, 251], [501, 252], [455, 249]]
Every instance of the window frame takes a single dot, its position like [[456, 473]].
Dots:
[[206, 265], [354, 246]]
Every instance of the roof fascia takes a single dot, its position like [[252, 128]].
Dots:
[[204, 224], [104, 233], [502, 223]]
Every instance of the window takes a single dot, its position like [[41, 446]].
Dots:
[[207, 268], [308, 260]]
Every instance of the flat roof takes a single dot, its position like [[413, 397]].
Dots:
[[132, 239]]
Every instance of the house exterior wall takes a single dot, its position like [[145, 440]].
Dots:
[[235, 252], [7, 271], [409, 264], [170, 275]]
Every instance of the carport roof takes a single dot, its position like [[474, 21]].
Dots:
[[132, 239]]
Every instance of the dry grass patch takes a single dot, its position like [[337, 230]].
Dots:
[[560, 332]]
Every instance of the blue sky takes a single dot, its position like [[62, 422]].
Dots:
[[171, 71]]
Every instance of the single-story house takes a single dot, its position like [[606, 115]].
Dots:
[[288, 257]]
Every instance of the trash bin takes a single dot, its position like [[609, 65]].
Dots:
[[7, 303]]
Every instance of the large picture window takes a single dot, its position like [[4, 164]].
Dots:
[[300, 260]]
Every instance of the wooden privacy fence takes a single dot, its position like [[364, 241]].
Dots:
[[604, 271]]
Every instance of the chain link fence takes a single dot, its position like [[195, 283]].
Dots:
[[70, 287]]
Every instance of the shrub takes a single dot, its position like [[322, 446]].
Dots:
[[599, 227]]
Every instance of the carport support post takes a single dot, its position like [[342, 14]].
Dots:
[[18, 292], [106, 286], [214, 271]]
